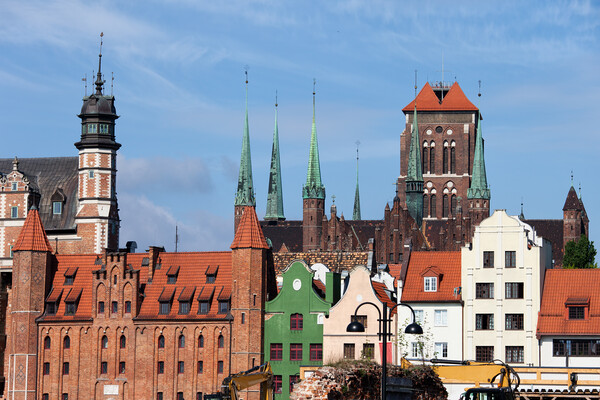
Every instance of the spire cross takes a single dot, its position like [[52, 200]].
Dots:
[[275, 98], [112, 81], [333, 198], [99, 81], [84, 79], [571, 177], [357, 143]]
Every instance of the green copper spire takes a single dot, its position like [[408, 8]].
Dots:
[[479, 188], [275, 195], [245, 189], [414, 177], [313, 188], [356, 212]]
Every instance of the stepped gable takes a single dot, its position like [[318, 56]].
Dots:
[[51, 176], [454, 100], [444, 264], [249, 234], [563, 287], [32, 236], [572, 202]]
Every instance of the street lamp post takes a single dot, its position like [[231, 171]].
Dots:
[[383, 333]]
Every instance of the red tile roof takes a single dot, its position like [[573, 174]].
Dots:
[[454, 100], [447, 264], [382, 295], [564, 286], [249, 233], [32, 236]]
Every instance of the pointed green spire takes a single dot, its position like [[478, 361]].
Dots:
[[313, 188], [275, 195], [414, 177], [245, 189], [479, 188], [356, 212]]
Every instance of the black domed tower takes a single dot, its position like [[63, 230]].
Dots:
[[98, 214]]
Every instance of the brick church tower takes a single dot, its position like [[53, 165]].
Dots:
[[98, 212], [575, 220], [249, 276], [313, 195], [31, 270]]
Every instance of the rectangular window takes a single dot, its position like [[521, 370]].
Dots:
[[14, 186], [484, 321], [56, 207], [200, 368], [103, 367], [14, 212], [293, 380], [91, 174], [488, 259], [115, 307], [127, 307], [576, 347], [484, 353], [316, 352], [510, 259], [415, 349], [577, 312], [122, 367], [514, 354], [296, 322], [419, 317], [359, 318], [514, 322], [441, 349], [70, 308], [211, 278], [50, 308], [276, 351], [45, 396], [171, 278], [65, 369], [160, 367], [514, 290], [69, 279], [165, 307], [441, 318], [65, 396], [100, 307], [484, 290], [184, 307], [46, 368], [220, 367], [180, 396], [180, 367], [296, 352], [203, 307], [277, 384], [198, 395], [348, 351], [92, 128], [430, 283], [159, 396], [368, 351], [223, 307], [103, 128]]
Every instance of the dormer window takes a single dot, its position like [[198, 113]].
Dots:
[[204, 300], [576, 312], [165, 299], [185, 299], [172, 274], [72, 300], [224, 299], [70, 275], [56, 207], [52, 301], [211, 274], [430, 284], [577, 308]]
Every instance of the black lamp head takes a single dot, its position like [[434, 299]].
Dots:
[[355, 327], [413, 328]]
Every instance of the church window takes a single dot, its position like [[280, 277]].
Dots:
[[14, 212], [47, 342], [122, 342], [200, 368], [391, 257], [181, 342], [46, 368], [453, 205], [104, 342], [452, 160], [201, 341], [445, 159], [445, 206], [220, 367], [425, 206], [221, 341], [439, 129], [100, 307], [161, 342], [160, 367], [57, 207], [65, 369], [67, 342], [181, 367], [127, 307], [425, 161], [432, 206], [432, 159], [115, 307]]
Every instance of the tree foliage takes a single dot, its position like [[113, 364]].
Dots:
[[580, 254]]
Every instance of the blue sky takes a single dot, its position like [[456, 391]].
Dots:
[[179, 87]]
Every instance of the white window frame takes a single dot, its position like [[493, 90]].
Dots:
[[419, 317], [440, 318], [440, 349], [414, 349], [57, 207], [430, 284]]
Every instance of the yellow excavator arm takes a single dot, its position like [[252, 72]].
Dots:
[[262, 375]]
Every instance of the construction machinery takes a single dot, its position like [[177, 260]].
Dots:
[[261, 374]]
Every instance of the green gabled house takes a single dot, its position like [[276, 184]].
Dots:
[[294, 324]]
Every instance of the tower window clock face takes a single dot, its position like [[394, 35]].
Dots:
[[439, 129], [297, 284]]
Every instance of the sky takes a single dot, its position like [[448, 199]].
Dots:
[[179, 67]]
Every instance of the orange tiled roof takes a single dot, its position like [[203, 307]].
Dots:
[[381, 294], [32, 236], [454, 100], [564, 286], [448, 265], [249, 232]]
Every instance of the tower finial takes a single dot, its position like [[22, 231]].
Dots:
[[356, 212], [580, 190], [571, 177], [275, 98], [415, 84], [84, 79], [99, 81]]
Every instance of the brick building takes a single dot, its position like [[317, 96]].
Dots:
[[153, 325]]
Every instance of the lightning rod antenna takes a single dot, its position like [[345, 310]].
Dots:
[[415, 83], [84, 79], [112, 81]]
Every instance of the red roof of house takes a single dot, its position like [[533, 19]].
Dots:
[[381, 294], [191, 279], [445, 264], [32, 236], [249, 233], [454, 100], [575, 287]]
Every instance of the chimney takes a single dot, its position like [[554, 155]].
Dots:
[[153, 253]]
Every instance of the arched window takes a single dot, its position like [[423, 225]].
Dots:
[[445, 206], [161, 342], [181, 341], [432, 158], [432, 206], [453, 205], [47, 342], [296, 322], [221, 341], [445, 160], [67, 342], [123, 341], [425, 205], [104, 342], [425, 161], [200, 341], [452, 160]]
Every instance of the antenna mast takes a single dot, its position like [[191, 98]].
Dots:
[[84, 79], [112, 81], [415, 83], [176, 238]]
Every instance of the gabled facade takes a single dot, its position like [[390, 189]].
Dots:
[[294, 324], [568, 328], [502, 280]]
